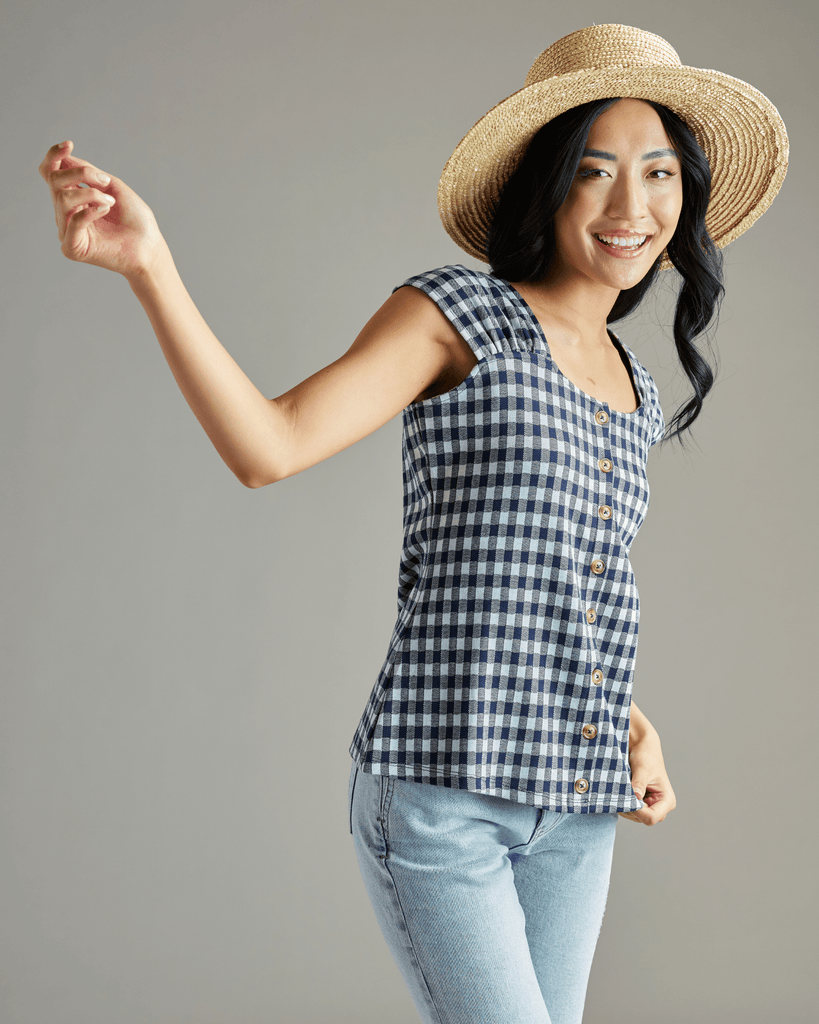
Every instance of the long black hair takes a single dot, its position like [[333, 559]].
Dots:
[[521, 240]]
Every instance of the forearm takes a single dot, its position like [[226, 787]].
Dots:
[[247, 429]]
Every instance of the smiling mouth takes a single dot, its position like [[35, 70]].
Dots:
[[624, 244]]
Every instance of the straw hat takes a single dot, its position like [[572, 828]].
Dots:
[[739, 130]]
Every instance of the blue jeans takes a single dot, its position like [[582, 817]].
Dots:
[[491, 908]]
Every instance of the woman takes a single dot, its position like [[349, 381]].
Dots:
[[500, 742]]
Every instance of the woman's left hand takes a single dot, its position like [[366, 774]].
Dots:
[[649, 780]]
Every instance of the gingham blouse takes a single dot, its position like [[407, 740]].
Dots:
[[510, 667]]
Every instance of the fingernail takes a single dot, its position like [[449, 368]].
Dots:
[[104, 178]]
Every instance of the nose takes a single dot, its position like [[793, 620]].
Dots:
[[627, 198]]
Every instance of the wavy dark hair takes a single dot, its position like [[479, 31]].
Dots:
[[521, 241]]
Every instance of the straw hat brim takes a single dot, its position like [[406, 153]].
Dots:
[[739, 130]]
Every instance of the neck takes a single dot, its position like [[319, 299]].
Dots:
[[576, 305]]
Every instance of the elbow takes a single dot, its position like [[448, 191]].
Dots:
[[264, 469], [261, 477], [267, 461], [255, 481], [251, 482]]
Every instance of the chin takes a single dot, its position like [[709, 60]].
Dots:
[[625, 275], [625, 281]]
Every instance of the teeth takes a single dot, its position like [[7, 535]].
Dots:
[[634, 242]]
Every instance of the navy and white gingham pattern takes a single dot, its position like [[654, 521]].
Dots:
[[510, 667]]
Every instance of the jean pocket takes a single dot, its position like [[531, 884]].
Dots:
[[350, 791]]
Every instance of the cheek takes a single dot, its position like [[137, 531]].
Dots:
[[576, 205], [571, 217], [671, 210]]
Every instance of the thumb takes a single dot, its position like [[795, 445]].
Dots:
[[639, 788]]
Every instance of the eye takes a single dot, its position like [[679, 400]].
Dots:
[[592, 172], [663, 174]]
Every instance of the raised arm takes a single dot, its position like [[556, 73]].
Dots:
[[405, 349]]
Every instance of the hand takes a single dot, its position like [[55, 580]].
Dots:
[[106, 224], [649, 780]]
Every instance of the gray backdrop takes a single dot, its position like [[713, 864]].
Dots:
[[185, 660]]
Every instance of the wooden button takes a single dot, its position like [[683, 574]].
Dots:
[[589, 731], [597, 676], [581, 786], [601, 416], [605, 511], [598, 566], [591, 615], [605, 465]]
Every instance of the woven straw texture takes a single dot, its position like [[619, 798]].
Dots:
[[740, 130]]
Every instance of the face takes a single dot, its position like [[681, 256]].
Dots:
[[625, 200]]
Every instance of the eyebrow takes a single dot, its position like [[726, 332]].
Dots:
[[601, 154]]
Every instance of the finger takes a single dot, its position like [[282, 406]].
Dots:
[[62, 170], [75, 243], [80, 174], [51, 161], [651, 814], [72, 201]]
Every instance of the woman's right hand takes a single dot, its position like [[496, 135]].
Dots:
[[106, 224]]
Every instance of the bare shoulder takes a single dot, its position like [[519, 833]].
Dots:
[[453, 359], [410, 308]]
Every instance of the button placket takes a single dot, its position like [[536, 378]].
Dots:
[[604, 513], [605, 465]]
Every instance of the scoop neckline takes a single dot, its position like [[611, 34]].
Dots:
[[617, 344]]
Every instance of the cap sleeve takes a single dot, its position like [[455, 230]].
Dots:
[[654, 410], [659, 423], [476, 306]]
